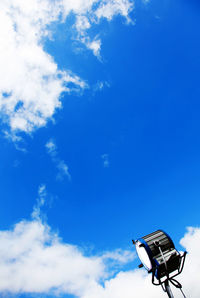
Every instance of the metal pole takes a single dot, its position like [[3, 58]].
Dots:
[[168, 289]]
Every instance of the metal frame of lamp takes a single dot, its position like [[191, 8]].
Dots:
[[159, 256]]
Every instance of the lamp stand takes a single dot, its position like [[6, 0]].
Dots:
[[168, 289]]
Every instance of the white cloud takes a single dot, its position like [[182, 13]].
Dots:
[[30, 82], [108, 9], [82, 23], [63, 169], [51, 147], [190, 276], [34, 259], [92, 12], [78, 7], [127, 285], [94, 45], [119, 256]]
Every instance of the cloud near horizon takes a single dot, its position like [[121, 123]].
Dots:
[[31, 84], [35, 260]]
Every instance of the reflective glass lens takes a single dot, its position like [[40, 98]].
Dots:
[[142, 254]]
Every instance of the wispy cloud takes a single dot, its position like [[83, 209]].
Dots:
[[100, 85], [61, 166], [92, 12], [16, 140], [106, 162], [36, 214], [31, 84]]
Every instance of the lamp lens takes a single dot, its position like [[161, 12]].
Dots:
[[142, 254]]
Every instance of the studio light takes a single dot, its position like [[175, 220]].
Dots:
[[159, 256]]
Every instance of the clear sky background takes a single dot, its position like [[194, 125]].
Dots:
[[118, 160]]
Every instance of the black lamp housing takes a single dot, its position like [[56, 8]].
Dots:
[[160, 257]]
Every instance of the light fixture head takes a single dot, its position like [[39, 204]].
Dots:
[[158, 254]]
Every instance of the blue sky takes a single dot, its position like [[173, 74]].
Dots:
[[120, 158]]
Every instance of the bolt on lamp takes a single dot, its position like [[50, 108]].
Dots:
[[159, 256]]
